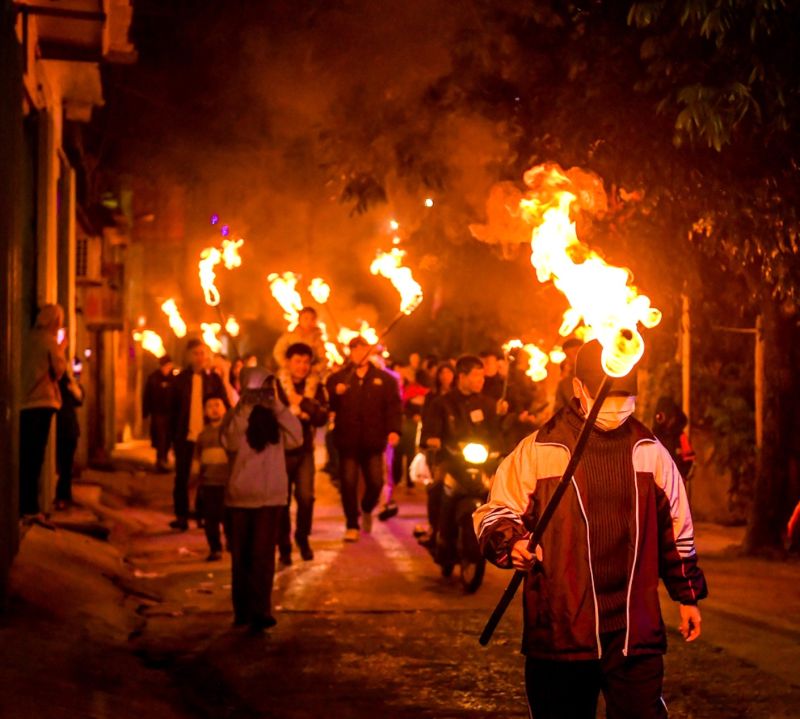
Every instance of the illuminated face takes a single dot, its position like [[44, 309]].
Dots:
[[490, 365], [198, 357], [167, 368], [472, 383], [446, 377], [215, 409], [307, 321], [299, 366], [414, 360]]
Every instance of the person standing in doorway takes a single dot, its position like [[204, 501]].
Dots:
[[157, 404]]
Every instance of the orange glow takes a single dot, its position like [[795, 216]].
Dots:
[[232, 326], [170, 309], [600, 295], [319, 290], [390, 266], [366, 331], [230, 253], [151, 342], [284, 290], [557, 355], [394, 224], [210, 332], [210, 257], [537, 360]]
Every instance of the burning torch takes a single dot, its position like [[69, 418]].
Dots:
[[599, 295]]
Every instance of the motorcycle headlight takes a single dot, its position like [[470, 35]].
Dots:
[[475, 453]]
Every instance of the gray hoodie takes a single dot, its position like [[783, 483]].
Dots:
[[258, 479]]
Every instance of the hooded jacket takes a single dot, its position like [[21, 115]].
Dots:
[[258, 479], [45, 362], [561, 619]]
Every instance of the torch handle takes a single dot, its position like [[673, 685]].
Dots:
[[547, 515]]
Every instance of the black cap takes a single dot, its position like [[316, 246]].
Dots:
[[357, 341], [165, 359], [589, 370]]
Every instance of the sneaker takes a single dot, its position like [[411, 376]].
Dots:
[[389, 511], [180, 524], [351, 535], [366, 522], [214, 557], [305, 550]]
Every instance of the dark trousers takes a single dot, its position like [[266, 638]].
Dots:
[[159, 434], [184, 452], [404, 452], [34, 431], [631, 686], [65, 458], [300, 469], [213, 504], [254, 533], [371, 465]]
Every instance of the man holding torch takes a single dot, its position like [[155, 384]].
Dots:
[[592, 620]]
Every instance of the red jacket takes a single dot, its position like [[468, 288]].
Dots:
[[560, 604]]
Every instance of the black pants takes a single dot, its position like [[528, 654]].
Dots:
[[404, 452], [65, 458], [254, 533], [213, 504], [631, 686], [371, 465], [159, 435], [184, 452], [300, 468], [34, 431]]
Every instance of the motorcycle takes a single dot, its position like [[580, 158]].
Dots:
[[465, 487]]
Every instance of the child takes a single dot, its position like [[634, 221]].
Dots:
[[213, 475], [259, 429]]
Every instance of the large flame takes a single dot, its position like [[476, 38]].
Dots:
[[210, 257], [230, 253], [284, 290], [366, 331], [390, 266], [232, 326], [332, 353], [600, 295], [170, 309], [151, 342], [210, 332], [319, 290]]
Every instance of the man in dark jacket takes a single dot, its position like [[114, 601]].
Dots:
[[304, 395], [592, 619], [368, 414], [193, 386], [157, 404]]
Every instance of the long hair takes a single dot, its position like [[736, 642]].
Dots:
[[262, 428]]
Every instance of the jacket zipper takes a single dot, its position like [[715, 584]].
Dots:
[[591, 571], [635, 556]]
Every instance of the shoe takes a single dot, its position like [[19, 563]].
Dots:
[[285, 557], [421, 530], [351, 535], [305, 550], [240, 621], [366, 522], [180, 524], [214, 557], [389, 511], [259, 625]]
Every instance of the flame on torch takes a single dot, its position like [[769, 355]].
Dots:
[[283, 288], [366, 331], [210, 257], [230, 253], [151, 342], [176, 322], [390, 266], [600, 295], [537, 360], [319, 290], [210, 332], [232, 326]]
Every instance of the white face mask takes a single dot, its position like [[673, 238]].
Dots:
[[613, 413]]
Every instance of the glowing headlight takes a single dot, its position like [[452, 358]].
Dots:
[[475, 453]]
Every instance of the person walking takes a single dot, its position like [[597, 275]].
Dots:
[[368, 413], [192, 387], [301, 391], [258, 431], [157, 404], [68, 430], [592, 620], [44, 365]]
